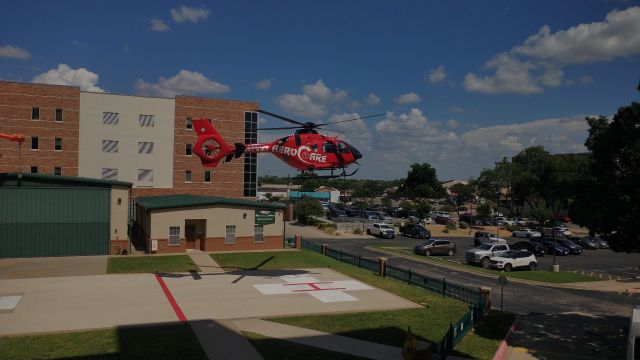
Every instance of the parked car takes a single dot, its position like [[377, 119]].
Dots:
[[470, 219], [535, 248], [519, 221], [435, 247], [483, 253], [553, 232], [382, 230], [427, 220], [565, 230], [526, 233], [501, 220], [416, 231], [514, 259], [437, 213], [586, 242], [443, 220], [483, 237], [603, 242], [573, 248], [555, 247], [563, 218]]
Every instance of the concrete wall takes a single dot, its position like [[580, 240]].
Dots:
[[128, 133], [119, 214]]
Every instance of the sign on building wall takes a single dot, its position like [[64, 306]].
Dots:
[[265, 217]]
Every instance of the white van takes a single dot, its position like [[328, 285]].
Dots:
[[437, 213], [633, 344]]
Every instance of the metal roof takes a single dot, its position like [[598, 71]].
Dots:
[[31, 180], [185, 200]]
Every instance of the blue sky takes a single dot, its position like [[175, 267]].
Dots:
[[461, 83]]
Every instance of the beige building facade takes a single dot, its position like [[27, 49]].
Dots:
[[172, 224]]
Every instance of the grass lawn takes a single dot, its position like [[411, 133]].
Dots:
[[274, 349], [153, 342], [429, 323], [537, 275], [150, 264]]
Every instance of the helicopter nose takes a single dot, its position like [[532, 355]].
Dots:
[[356, 154]]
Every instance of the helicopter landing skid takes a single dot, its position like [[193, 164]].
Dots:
[[310, 174]]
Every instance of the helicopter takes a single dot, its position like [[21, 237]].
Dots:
[[306, 150]]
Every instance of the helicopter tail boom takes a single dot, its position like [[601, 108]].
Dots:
[[211, 147]]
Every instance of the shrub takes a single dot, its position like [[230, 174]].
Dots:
[[451, 226], [511, 228], [357, 230], [446, 231], [463, 225]]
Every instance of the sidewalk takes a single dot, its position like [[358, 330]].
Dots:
[[204, 262], [320, 339]]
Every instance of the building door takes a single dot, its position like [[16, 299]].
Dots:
[[190, 234]]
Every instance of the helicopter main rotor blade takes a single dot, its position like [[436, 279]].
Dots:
[[280, 117], [280, 128], [341, 121]]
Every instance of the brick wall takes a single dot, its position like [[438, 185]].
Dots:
[[227, 116], [243, 243], [16, 103]]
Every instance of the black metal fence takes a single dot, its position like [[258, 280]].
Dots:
[[441, 286]]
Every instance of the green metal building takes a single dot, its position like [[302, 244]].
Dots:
[[47, 215]]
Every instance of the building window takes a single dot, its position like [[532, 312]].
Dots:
[[35, 113], [110, 118], [188, 124], [57, 170], [34, 169], [174, 235], [258, 233], [58, 114], [34, 143], [207, 176], [187, 176], [230, 235], [109, 174], [57, 144], [145, 175], [145, 148], [187, 150], [250, 160], [109, 146], [146, 120]]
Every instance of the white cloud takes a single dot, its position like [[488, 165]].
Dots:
[[355, 132], [372, 99], [453, 123], [511, 75], [14, 52], [191, 14], [184, 83], [263, 84], [409, 98], [64, 75], [617, 36], [315, 101], [539, 61], [158, 25], [437, 75]]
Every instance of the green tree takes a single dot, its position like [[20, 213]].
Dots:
[[386, 202], [484, 211], [612, 194], [541, 212], [306, 208], [422, 182]]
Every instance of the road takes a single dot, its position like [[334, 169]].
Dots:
[[554, 322]]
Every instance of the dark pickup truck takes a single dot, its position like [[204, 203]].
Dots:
[[416, 231]]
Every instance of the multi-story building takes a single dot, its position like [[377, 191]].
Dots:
[[143, 140]]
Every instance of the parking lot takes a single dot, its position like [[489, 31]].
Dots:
[[604, 263]]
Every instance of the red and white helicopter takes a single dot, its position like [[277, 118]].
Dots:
[[305, 150]]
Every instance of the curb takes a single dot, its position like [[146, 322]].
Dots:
[[501, 353]]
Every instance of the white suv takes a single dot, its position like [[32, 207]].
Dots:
[[514, 259]]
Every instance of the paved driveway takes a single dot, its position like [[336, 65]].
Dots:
[[23, 268]]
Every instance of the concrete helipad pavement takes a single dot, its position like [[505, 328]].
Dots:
[[89, 302]]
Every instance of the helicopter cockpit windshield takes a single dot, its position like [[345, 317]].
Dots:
[[346, 148]]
